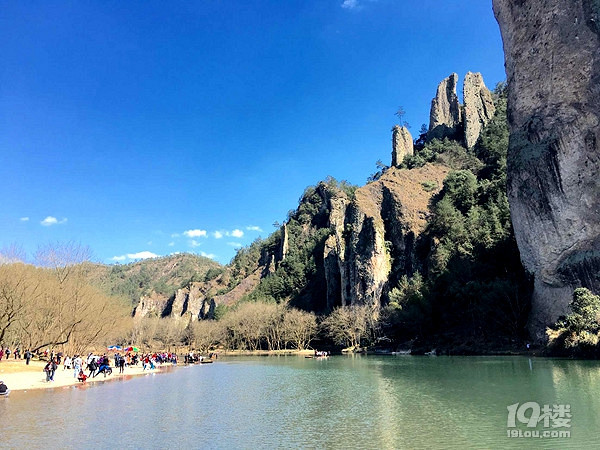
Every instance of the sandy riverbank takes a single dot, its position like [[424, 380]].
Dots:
[[19, 377]]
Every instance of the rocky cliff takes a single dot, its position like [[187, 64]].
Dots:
[[552, 60], [450, 119], [426, 244], [194, 301], [380, 228]]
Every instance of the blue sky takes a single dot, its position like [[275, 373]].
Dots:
[[149, 127]]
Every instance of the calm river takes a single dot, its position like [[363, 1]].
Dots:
[[343, 402]]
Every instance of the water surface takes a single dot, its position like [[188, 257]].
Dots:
[[282, 402]]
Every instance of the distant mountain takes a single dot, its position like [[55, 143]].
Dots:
[[157, 277]]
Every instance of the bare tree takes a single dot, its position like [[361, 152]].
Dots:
[[18, 286], [209, 333], [63, 258], [400, 112], [13, 253], [348, 325], [300, 328]]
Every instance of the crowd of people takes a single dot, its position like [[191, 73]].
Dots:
[[6, 352], [93, 364]]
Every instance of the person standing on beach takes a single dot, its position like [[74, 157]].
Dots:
[[77, 365], [121, 364], [92, 366], [27, 356], [49, 368]]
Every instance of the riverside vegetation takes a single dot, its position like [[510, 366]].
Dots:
[[423, 256]]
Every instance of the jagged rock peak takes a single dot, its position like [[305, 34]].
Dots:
[[284, 248], [445, 118], [402, 144], [551, 50], [478, 109]]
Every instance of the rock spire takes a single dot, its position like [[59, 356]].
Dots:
[[445, 118], [478, 109], [402, 144]]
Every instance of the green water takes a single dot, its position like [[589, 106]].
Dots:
[[293, 402]]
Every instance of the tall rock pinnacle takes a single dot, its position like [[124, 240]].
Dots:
[[402, 144], [479, 107], [445, 117]]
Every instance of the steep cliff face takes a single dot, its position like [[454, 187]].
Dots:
[[377, 232], [552, 58]]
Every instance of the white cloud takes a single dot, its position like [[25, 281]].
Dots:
[[195, 233], [49, 221], [254, 228], [24, 219], [234, 244], [175, 235], [218, 235], [237, 233], [350, 4], [171, 244], [208, 255], [138, 255], [142, 255], [195, 243]]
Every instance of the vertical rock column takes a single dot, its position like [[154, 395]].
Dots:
[[445, 117], [552, 55], [479, 107], [402, 144]]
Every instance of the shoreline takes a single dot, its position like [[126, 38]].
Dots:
[[20, 377], [264, 352]]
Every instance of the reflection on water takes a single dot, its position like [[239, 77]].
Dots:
[[357, 402]]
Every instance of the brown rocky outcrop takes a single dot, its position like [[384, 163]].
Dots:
[[478, 107], [246, 286], [552, 60], [188, 301], [402, 144], [445, 118], [378, 228], [195, 301], [150, 306]]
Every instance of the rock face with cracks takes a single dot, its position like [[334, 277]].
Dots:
[[375, 232], [402, 144], [478, 107], [552, 56], [445, 117]]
